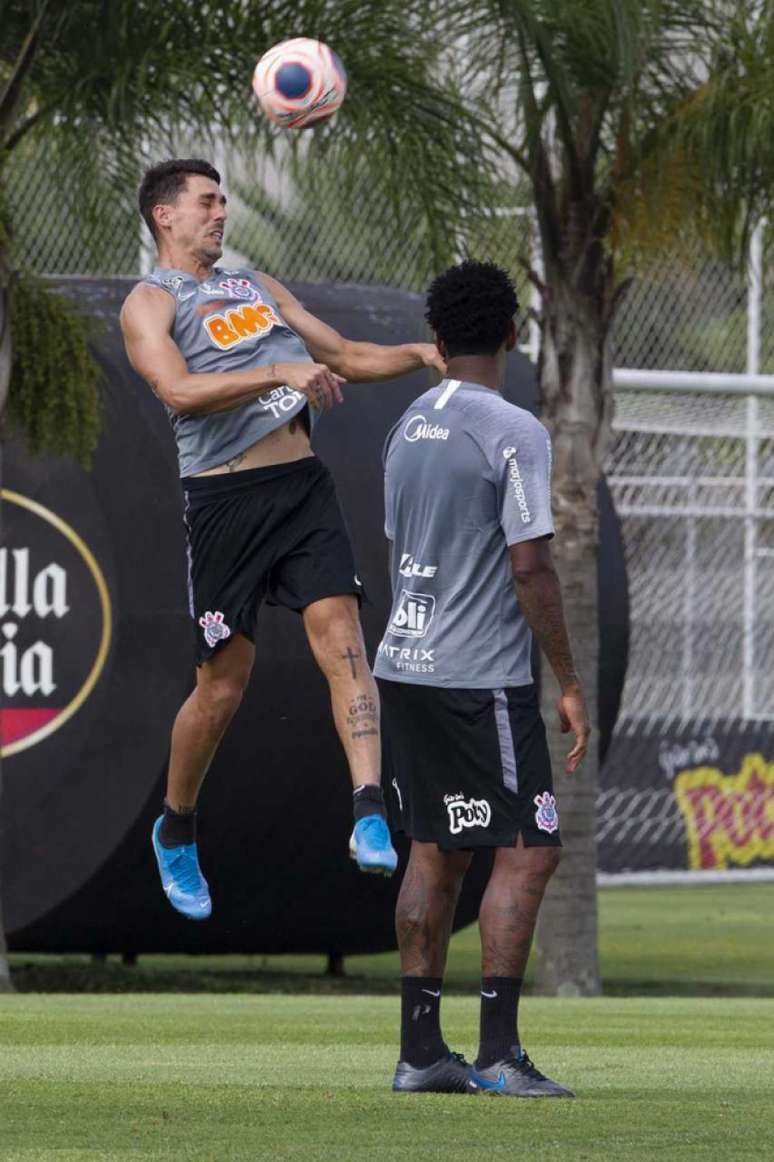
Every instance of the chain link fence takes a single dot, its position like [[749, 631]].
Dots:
[[311, 229], [686, 310], [692, 477], [686, 783]]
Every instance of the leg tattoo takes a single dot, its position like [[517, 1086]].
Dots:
[[351, 656], [363, 716], [510, 906], [425, 910]]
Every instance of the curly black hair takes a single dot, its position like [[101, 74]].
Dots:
[[471, 306], [165, 181]]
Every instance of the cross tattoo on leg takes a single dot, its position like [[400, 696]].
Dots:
[[350, 656]]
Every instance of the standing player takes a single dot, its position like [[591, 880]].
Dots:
[[242, 369], [468, 512]]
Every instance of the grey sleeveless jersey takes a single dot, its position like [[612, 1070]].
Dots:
[[229, 322]]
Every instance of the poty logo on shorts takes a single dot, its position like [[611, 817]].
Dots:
[[517, 484], [546, 816], [418, 429], [466, 812], [215, 628], [413, 615]]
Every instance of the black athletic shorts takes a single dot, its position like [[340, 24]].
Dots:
[[467, 768], [274, 534]]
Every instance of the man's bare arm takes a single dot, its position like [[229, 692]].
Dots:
[[540, 600], [356, 362], [146, 322]]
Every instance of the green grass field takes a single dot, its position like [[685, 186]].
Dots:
[[227, 1078], [300, 1078]]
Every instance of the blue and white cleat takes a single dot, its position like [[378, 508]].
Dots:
[[371, 847], [515, 1076], [181, 877]]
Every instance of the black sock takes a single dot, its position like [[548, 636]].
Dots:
[[421, 1042], [368, 799], [499, 1018], [177, 827]]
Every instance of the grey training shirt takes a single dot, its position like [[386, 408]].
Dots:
[[466, 475], [229, 322]]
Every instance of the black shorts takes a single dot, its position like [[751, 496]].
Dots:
[[274, 534], [467, 768]]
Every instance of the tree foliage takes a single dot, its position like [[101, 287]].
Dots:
[[53, 397], [150, 76], [105, 88], [656, 116]]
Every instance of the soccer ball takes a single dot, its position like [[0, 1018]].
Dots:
[[299, 83]]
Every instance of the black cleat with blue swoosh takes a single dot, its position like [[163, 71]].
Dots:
[[515, 1076], [447, 1075]]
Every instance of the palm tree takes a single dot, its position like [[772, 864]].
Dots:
[[636, 124], [97, 82]]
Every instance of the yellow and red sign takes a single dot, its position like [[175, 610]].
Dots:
[[729, 819]]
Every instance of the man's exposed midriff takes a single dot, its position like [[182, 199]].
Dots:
[[282, 446]]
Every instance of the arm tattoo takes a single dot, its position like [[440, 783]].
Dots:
[[540, 600]]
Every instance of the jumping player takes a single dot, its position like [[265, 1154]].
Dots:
[[243, 369], [468, 512]]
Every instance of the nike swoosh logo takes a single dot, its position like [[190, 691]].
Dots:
[[431, 993], [489, 995], [485, 1083]]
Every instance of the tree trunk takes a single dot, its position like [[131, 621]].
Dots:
[[575, 381], [5, 377]]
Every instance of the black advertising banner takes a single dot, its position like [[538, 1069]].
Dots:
[[697, 800], [52, 592], [97, 655], [90, 579]]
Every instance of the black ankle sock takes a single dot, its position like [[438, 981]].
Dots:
[[421, 1042], [499, 1018], [177, 827], [367, 799]]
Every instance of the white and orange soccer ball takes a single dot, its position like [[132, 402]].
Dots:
[[299, 82]]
